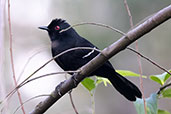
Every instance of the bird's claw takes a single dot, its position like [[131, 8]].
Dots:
[[58, 89], [75, 81], [70, 91]]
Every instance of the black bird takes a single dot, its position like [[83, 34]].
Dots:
[[61, 41]]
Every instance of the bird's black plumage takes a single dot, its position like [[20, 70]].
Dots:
[[73, 60]]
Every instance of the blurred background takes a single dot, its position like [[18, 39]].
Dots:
[[33, 45]]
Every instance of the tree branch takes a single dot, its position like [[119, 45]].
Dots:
[[97, 24], [138, 57], [150, 60], [11, 56], [154, 21], [163, 87]]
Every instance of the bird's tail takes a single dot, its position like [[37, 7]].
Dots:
[[125, 87]]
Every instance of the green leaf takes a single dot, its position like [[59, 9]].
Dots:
[[167, 93], [161, 78], [105, 81], [157, 79], [163, 112], [89, 84], [151, 105], [129, 73]]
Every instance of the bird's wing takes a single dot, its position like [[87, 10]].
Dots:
[[60, 63], [75, 59], [85, 53]]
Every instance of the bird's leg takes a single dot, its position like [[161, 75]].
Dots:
[[75, 81]]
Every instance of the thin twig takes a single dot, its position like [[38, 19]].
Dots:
[[11, 56], [71, 49], [129, 13], [49, 74], [148, 59], [163, 87], [28, 61], [71, 99], [30, 100], [138, 57], [72, 103], [97, 24], [38, 77], [141, 80]]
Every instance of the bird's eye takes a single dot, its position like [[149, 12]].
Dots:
[[57, 28]]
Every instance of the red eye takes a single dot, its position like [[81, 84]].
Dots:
[[57, 28]]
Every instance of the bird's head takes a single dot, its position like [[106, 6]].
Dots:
[[55, 27]]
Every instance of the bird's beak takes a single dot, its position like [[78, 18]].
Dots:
[[44, 28]]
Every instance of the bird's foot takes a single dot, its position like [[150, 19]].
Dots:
[[58, 88], [70, 91], [75, 80]]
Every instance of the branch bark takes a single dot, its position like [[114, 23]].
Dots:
[[134, 34]]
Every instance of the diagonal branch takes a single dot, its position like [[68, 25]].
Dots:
[[148, 59], [97, 24], [154, 21], [163, 87]]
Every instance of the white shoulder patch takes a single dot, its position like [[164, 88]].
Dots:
[[89, 53]]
